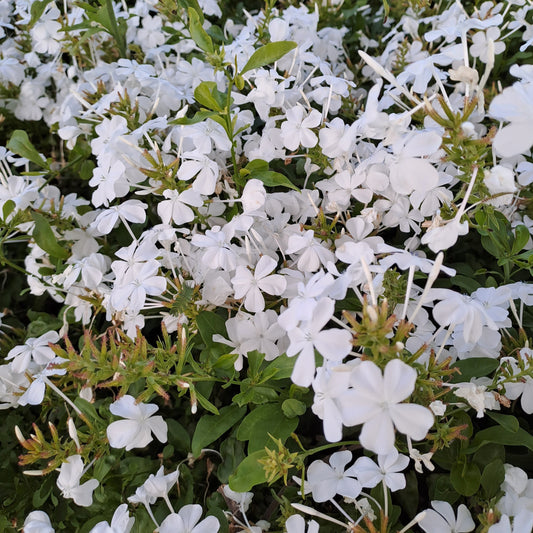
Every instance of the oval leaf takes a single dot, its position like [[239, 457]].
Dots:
[[475, 367], [263, 420], [210, 428], [465, 478], [249, 473], [45, 238], [198, 34], [268, 54], [20, 144]]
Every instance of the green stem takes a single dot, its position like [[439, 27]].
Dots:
[[229, 130], [329, 446]]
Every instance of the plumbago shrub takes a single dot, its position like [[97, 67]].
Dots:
[[266, 267]]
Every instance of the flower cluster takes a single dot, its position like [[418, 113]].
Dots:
[[292, 231]]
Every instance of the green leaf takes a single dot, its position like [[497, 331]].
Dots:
[[86, 170], [209, 324], [492, 477], [489, 453], [465, 477], [284, 365], [255, 359], [20, 144], [210, 428], [249, 473], [255, 394], [226, 362], [37, 9], [292, 408], [87, 408], [274, 179], [178, 436], [186, 4], [263, 420], [474, 368], [268, 54], [521, 239], [206, 404], [200, 116], [7, 209], [507, 422], [440, 488], [232, 451], [45, 238], [258, 169], [198, 34], [207, 95], [499, 435]]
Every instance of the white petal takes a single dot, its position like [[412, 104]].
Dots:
[[398, 380], [274, 284], [264, 267], [159, 428], [377, 434], [411, 419], [514, 139], [334, 344], [122, 432]]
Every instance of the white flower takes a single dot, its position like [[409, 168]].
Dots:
[[120, 523], [334, 344], [312, 252], [253, 196], [135, 432], [408, 171], [159, 485], [375, 403], [242, 499], [296, 524], [176, 208], [442, 235], [443, 520], [388, 471], [131, 210], [326, 481], [34, 349], [438, 407], [296, 130], [498, 180], [250, 286], [455, 309], [514, 105], [68, 482], [38, 522], [477, 397], [186, 521], [329, 386]]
